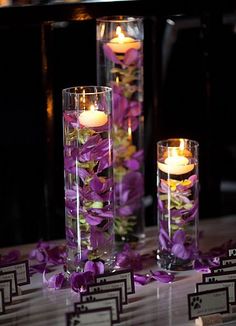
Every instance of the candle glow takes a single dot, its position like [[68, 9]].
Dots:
[[122, 43]]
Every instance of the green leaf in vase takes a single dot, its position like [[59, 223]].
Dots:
[[87, 165], [84, 134], [94, 204]]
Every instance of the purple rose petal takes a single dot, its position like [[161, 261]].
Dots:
[[142, 279], [162, 276]]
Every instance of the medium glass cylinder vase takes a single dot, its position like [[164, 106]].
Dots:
[[178, 201], [120, 66], [89, 206]]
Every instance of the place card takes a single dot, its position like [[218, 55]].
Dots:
[[7, 291], [119, 284], [102, 303], [22, 271], [222, 269], [2, 305], [212, 277], [208, 302], [125, 274], [98, 317], [227, 261], [232, 252], [12, 277], [230, 284], [106, 294]]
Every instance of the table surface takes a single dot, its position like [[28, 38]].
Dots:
[[153, 304]]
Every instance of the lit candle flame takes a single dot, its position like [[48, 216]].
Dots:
[[120, 34], [129, 130], [182, 144], [92, 107]]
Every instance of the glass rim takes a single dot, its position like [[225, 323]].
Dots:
[[79, 90], [189, 142], [119, 19]]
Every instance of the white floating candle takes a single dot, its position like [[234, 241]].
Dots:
[[175, 163], [122, 43], [93, 118]]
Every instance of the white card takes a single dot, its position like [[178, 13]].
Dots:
[[228, 261], [103, 303], [212, 277], [22, 271], [118, 275], [221, 269], [115, 293], [7, 291], [231, 285], [11, 276], [119, 284], [208, 302], [98, 317], [232, 252], [2, 305]]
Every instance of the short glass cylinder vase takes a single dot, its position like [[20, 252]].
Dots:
[[178, 202], [89, 206], [120, 66]]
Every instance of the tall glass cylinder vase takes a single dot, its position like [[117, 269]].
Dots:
[[178, 200], [89, 207], [120, 66]]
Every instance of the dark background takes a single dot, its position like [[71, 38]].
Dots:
[[189, 77]]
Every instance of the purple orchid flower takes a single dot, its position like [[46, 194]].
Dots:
[[134, 109], [129, 191], [90, 143], [55, 282], [104, 163], [120, 104], [128, 258], [132, 164], [131, 57], [80, 280], [40, 252], [44, 254], [96, 267], [98, 238], [69, 164], [179, 249], [110, 54], [133, 122]]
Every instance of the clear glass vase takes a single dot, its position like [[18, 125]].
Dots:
[[120, 66], [89, 206], [178, 201]]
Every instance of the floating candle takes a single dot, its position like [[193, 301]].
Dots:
[[93, 118], [122, 43], [176, 163]]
